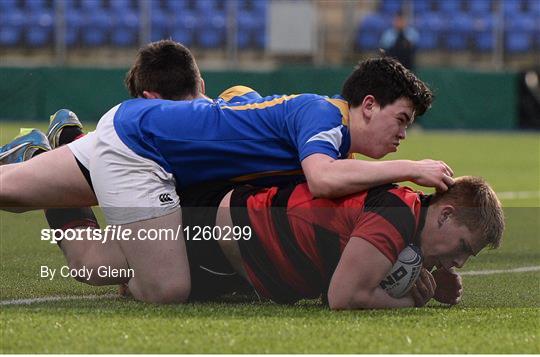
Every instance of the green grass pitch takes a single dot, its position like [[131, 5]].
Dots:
[[499, 312]]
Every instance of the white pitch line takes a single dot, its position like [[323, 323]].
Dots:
[[501, 271], [116, 296], [57, 298], [518, 195]]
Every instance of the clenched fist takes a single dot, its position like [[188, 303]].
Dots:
[[449, 286]]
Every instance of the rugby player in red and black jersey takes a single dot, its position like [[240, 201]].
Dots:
[[302, 247]]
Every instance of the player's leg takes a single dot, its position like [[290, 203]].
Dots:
[[161, 269], [140, 196], [52, 179], [95, 255], [65, 128]]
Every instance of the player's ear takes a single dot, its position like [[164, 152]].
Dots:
[[445, 214], [368, 106], [151, 95], [203, 86]]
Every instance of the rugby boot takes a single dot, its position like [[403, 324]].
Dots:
[[60, 120], [29, 142]]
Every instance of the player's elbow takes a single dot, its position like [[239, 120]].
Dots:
[[322, 186], [357, 300]]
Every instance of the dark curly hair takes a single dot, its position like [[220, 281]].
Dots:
[[165, 67], [387, 80]]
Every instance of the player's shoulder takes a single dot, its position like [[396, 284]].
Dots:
[[393, 196], [324, 104], [239, 93]]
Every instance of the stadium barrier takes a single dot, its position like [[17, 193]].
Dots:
[[464, 99]]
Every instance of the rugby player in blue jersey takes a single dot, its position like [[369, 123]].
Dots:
[[265, 137]]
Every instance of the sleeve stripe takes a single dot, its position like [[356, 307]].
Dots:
[[333, 136]]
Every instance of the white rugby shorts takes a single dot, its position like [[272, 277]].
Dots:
[[83, 148], [129, 188]]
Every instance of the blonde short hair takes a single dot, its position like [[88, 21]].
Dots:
[[477, 207]]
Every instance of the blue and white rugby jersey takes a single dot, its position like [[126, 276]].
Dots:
[[204, 140]]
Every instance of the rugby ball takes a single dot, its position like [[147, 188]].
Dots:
[[404, 273]]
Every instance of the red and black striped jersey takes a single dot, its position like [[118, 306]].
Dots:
[[297, 239]]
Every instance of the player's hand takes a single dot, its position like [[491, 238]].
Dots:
[[449, 286], [431, 173], [123, 290], [424, 289]]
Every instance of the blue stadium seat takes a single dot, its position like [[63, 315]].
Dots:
[[519, 33], [122, 5], [10, 36], [184, 20], [126, 19], [183, 27], [483, 34], [177, 5], [71, 5], [89, 5], [160, 24], [247, 21], [12, 23], [370, 31], [8, 5], [484, 41], [480, 7], [449, 7], [185, 37], [125, 31], [208, 5], [12, 26], [422, 6], [243, 39], [375, 22], [125, 37], [260, 39], [260, 5], [518, 41], [246, 25], [534, 7], [36, 5], [391, 7], [430, 25], [96, 29], [37, 36], [74, 24], [460, 29], [40, 27], [211, 29], [14, 18], [513, 7], [523, 22], [211, 38], [251, 28]]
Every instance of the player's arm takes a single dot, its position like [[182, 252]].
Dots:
[[355, 283], [328, 177]]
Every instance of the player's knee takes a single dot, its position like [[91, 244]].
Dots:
[[85, 263], [171, 292]]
